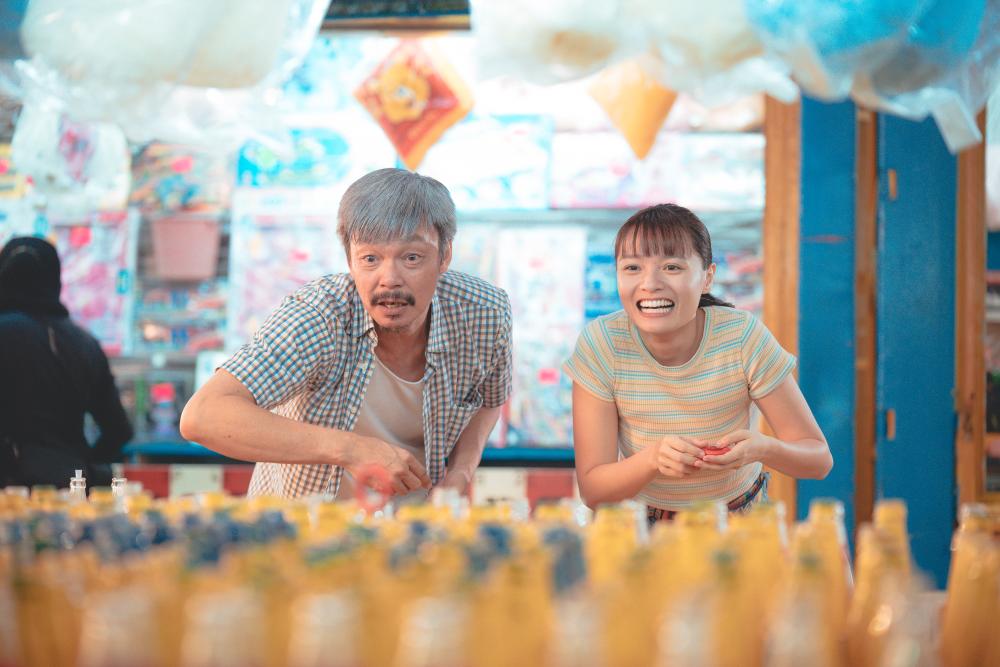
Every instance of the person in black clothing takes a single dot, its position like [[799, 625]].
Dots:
[[52, 373]]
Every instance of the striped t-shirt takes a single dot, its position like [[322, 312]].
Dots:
[[708, 397]]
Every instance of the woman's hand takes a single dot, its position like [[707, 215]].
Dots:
[[744, 447], [676, 456]]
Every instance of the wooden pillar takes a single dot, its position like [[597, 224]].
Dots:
[[865, 287], [970, 322], [782, 169]]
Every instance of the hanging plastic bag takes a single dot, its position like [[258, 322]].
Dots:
[[954, 99], [827, 42], [710, 50], [76, 167], [175, 70], [936, 44], [555, 40]]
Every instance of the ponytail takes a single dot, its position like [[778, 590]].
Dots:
[[712, 300]]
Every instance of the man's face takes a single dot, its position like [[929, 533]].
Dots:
[[396, 280]]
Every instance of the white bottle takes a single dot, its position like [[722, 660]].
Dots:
[[78, 488]]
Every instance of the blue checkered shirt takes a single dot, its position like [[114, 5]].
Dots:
[[312, 360]]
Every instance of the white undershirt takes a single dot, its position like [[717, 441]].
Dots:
[[392, 411]]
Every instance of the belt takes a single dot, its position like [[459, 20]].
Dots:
[[654, 514]]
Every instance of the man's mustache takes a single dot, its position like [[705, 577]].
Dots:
[[393, 295]]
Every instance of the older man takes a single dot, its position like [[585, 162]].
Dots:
[[399, 363]]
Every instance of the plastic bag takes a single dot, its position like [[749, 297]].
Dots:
[[957, 95], [935, 44], [555, 40], [183, 71], [76, 167], [711, 51], [827, 42], [220, 44]]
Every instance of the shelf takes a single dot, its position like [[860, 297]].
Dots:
[[528, 457]]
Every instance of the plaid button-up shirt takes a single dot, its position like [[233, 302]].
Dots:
[[312, 360]]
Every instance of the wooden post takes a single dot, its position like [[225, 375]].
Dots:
[[865, 289], [782, 169], [970, 322]]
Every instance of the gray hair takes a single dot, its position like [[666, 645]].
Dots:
[[392, 204]]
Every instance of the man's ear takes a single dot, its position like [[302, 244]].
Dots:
[[446, 257]]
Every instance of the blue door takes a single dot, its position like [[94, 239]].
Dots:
[[915, 446]]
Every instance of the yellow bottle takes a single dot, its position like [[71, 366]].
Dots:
[[971, 608], [890, 519]]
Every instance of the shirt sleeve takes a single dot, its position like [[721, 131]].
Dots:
[[285, 354], [497, 386], [765, 363], [109, 414], [590, 365]]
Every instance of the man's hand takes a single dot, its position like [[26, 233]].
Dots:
[[456, 479], [406, 474], [675, 456]]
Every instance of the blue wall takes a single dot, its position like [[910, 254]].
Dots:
[[826, 293], [916, 335], [993, 251]]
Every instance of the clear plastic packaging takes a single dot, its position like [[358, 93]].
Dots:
[[955, 95], [710, 50], [558, 40], [827, 42], [186, 71], [76, 167]]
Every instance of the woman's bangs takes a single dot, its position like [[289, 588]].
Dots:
[[650, 239]]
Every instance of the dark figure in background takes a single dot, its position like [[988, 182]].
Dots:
[[52, 373]]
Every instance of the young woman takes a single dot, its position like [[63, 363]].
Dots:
[[662, 389]]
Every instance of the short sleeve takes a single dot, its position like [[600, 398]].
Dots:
[[765, 363], [497, 386], [289, 349], [590, 365]]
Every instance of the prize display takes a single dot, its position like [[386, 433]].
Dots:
[[114, 577]]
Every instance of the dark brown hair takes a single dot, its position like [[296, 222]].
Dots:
[[670, 230]]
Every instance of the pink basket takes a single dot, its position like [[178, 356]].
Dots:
[[185, 247]]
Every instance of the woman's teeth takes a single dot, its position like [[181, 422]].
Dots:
[[656, 305]]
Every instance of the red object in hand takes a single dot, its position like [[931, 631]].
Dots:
[[373, 488], [717, 451]]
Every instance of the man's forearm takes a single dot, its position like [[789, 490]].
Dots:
[[468, 451], [239, 429]]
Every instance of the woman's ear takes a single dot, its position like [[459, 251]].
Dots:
[[709, 279]]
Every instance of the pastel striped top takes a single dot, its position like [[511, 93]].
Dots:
[[737, 362]]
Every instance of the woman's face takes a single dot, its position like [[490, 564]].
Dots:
[[660, 293]]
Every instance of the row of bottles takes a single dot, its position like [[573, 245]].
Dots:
[[214, 581]]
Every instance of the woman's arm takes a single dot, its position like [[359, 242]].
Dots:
[[602, 477], [110, 417], [798, 447]]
